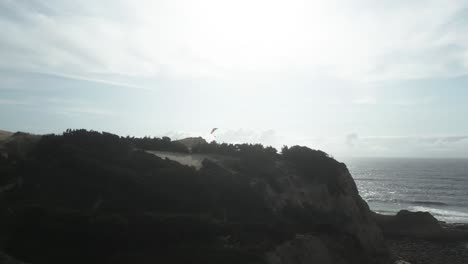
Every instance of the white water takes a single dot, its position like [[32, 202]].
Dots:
[[438, 186]]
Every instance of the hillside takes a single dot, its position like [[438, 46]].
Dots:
[[4, 134], [89, 197]]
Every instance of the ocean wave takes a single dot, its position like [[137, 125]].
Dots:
[[386, 212], [408, 202], [437, 186], [373, 179], [449, 216], [445, 215], [429, 203]]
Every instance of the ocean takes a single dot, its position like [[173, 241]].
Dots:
[[438, 186]]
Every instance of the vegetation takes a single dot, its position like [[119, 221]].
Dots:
[[163, 144], [90, 197]]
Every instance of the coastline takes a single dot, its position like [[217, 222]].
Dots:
[[437, 186], [445, 215]]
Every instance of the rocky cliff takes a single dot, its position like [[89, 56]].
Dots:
[[345, 227], [89, 197]]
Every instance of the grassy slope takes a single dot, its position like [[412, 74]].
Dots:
[[5, 134]]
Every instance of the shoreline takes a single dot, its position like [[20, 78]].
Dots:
[[452, 214]]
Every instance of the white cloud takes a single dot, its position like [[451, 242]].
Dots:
[[266, 137], [410, 146], [97, 80], [310, 70], [85, 110], [415, 102], [367, 100], [359, 40], [13, 102]]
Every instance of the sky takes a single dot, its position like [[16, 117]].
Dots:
[[353, 78]]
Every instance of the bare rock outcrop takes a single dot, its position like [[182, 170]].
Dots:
[[421, 225], [342, 224]]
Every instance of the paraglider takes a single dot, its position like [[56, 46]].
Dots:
[[212, 135]]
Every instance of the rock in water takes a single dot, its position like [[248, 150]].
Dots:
[[406, 223]]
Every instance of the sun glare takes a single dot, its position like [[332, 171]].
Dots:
[[265, 35]]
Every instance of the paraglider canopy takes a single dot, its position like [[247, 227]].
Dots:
[[213, 130]]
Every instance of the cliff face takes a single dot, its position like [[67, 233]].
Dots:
[[334, 223], [355, 237], [87, 197]]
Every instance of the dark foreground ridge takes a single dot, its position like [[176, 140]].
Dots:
[[89, 197]]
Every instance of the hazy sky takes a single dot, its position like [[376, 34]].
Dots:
[[354, 78]]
